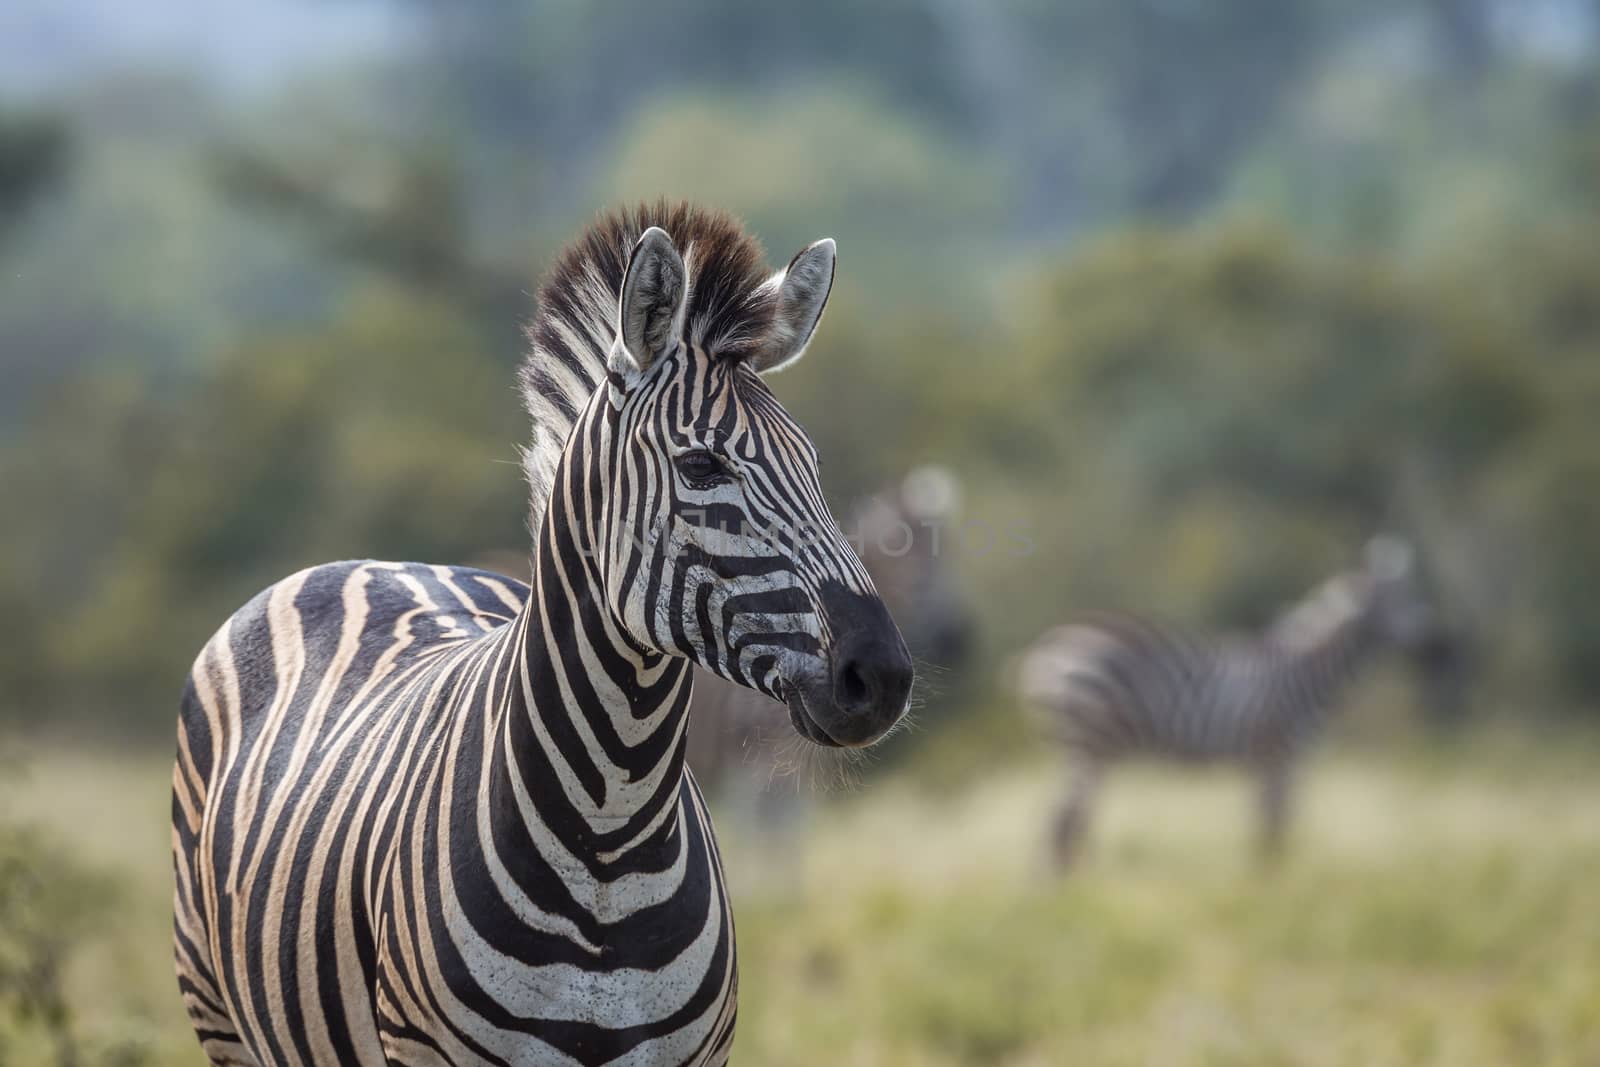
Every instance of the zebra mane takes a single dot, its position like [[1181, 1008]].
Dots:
[[731, 311]]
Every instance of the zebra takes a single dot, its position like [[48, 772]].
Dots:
[[431, 815], [900, 533], [1113, 686]]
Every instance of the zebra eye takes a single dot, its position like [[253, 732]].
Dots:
[[701, 467]]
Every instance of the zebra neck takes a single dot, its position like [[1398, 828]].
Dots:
[[1327, 667], [593, 711]]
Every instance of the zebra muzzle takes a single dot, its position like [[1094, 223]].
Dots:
[[866, 683]]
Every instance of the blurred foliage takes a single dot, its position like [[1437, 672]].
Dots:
[[46, 903], [1194, 297], [251, 478], [1236, 379], [133, 264], [41, 914], [806, 165], [32, 151]]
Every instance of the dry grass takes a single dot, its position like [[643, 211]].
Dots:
[[1439, 910]]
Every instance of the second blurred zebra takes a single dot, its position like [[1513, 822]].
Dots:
[[1111, 687], [738, 747]]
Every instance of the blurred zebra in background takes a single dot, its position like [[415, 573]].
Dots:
[[1110, 687], [737, 747]]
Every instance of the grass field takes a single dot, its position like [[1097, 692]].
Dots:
[[1434, 910]]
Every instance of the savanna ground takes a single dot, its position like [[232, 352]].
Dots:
[[1438, 907]]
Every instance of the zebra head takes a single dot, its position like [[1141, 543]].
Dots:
[[1396, 602], [713, 541], [902, 532]]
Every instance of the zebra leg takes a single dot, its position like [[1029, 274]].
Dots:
[[1276, 778], [1072, 815]]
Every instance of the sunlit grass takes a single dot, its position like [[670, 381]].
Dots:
[[1433, 910], [1425, 916]]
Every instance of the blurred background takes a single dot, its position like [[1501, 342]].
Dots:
[[1191, 298]]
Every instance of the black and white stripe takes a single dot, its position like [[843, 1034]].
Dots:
[[428, 814], [1111, 687]]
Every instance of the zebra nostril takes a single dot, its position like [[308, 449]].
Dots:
[[853, 691]]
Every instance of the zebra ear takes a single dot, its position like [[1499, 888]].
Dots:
[[651, 308], [931, 493], [803, 289]]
